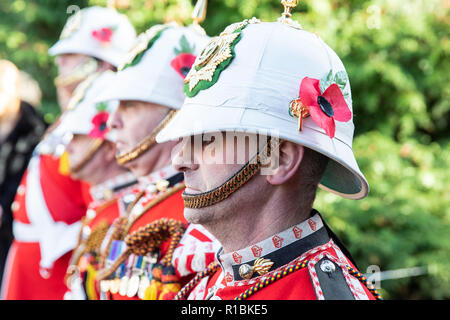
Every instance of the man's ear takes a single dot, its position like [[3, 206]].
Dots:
[[290, 157]]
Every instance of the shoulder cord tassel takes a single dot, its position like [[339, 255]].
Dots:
[[122, 225]]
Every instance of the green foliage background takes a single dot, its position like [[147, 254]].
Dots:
[[397, 56]]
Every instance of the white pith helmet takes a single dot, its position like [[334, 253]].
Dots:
[[87, 116], [249, 79], [155, 68], [98, 32]]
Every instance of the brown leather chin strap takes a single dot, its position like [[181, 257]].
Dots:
[[209, 198], [88, 156], [145, 143]]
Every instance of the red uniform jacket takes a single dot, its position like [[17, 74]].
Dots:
[[171, 207], [300, 263], [106, 207], [47, 212]]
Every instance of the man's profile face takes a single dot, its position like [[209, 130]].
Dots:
[[133, 121], [210, 160]]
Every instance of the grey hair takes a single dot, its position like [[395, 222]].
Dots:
[[311, 169]]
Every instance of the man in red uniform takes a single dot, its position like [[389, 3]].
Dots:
[[91, 158], [273, 99], [141, 260], [49, 205]]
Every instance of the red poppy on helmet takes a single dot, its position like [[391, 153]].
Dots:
[[103, 35], [183, 63], [324, 108], [100, 128]]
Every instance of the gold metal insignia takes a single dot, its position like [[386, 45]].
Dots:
[[298, 110], [198, 16], [286, 15], [288, 6], [261, 266], [217, 51]]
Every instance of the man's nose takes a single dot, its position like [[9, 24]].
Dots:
[[183, 156], [115, 120]]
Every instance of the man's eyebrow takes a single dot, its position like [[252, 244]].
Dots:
[[128, 103]]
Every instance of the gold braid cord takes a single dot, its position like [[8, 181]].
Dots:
[[97, 143], [122, 225], [222, 192], [148, 239], [94, 241], [146, 143]]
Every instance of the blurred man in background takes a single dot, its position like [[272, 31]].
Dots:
[[20, 130], [91, 152], [49, 204], [154, 74]]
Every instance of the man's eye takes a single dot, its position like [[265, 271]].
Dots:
[[128, 104]]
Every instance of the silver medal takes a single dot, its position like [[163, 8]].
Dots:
[[133, 286]]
